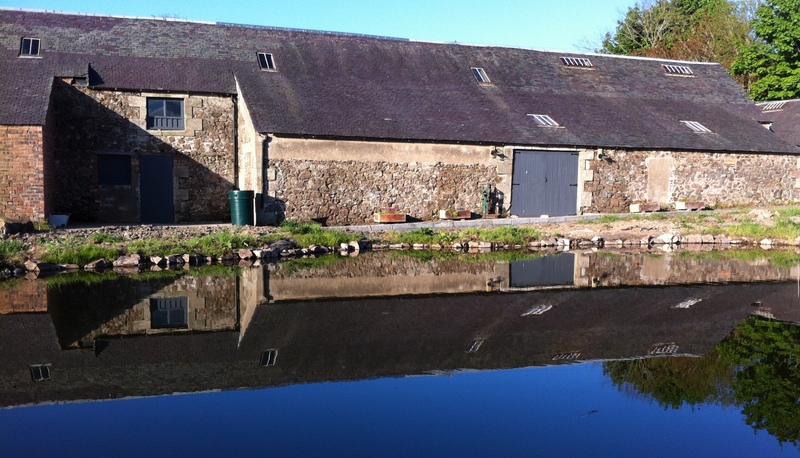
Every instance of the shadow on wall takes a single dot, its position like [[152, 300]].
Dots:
[[108, 169]]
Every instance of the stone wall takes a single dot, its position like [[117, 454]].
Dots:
[[718, 179], [346, 182], [22, 179], [352, 191], [89, 122]]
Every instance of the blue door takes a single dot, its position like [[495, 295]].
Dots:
[[155, 184], [544, 183]]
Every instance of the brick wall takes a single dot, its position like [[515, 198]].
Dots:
[[22, 179]]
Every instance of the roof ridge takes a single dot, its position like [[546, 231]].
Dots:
[[115, 16], [560, 51]]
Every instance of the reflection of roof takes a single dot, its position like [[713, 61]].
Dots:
[[359, 339], [338, 85]]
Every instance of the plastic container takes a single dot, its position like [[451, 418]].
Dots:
[[242, 213]]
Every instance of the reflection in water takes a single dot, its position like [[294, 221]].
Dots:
[[754, 369], [386, 315]]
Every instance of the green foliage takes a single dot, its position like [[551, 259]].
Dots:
[[306, 234], [773, 62], [767, 381], [673, 381], [9, 248], [70, 251], [756, 368], [103, 237], [701, 30]]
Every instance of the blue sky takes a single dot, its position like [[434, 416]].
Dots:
[[569, 25]]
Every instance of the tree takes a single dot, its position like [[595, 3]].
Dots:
[[699, 30], [766, 385], [773, 61]]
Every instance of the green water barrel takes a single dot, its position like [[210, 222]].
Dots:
[[242, 207]]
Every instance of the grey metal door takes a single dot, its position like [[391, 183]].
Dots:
[[544, 183], [550, 270], [155, 184]]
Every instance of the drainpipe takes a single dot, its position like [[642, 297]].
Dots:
[[235, 142]]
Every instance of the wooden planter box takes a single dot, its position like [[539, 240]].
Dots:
[[385, 217], [455, 214]]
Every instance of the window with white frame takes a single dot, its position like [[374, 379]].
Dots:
[[266, 61], [165, 114], [544, 120], [29, 47]]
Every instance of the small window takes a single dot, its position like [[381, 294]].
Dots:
[[580, 62], [165, 114], [474, 346], [544, 120], [268, 357], [664, 349], [29, 47], [40, 372], [480, 75], [169, 312], [114, 169], [774, 106], [680, 70], [266, 61], [566, 356], [697, 127]]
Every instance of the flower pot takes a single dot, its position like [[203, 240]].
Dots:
[[455, 214]]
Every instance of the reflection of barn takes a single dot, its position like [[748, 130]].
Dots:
[[139, 121], [310, 341]]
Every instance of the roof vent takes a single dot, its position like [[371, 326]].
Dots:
[[544, 120], [580, 62], [480, 75], [697, 127], [29, 47], [266, 61], [773, 106], [680, 70]]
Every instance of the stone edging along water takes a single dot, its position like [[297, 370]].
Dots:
[[288, 249]]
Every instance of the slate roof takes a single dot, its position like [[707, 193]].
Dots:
[[354, 86], [785, 119], [356, 339]]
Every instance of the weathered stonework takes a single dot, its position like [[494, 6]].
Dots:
[[717, 179], [89, 122], [352, 191], [346, 182]]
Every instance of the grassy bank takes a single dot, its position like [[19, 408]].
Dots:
[[782, 224]]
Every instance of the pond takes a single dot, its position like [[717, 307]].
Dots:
[[398, 354]]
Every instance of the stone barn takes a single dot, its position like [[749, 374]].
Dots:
[[143, 120]]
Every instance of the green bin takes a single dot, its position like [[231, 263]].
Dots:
[[242, 207]]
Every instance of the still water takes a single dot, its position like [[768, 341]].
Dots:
[[630, 354]]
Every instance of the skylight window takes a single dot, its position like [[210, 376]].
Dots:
[[697, 127], [680, 70], [29, 47], [40, 372], [664, 349], [544, 120], [266, 61], [774, 106], [268, 357], [566, 356], [474, 346], [480, 75], [580, 62]]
